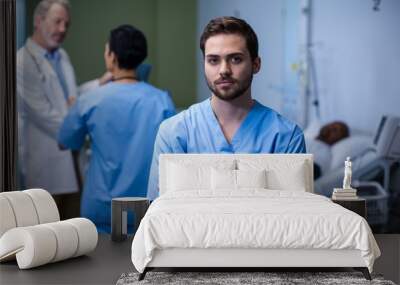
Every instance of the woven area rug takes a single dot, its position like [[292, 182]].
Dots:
[[225, 278]]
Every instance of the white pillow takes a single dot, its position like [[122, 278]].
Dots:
[[351, 146], [282, 173], [225, 179], [189, 176], [251, 178], [183, 178], [293, 181]]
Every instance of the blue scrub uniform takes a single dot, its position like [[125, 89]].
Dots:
[[196, 130], [122, 120]]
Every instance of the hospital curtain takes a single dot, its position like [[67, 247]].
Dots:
[[8, 115]]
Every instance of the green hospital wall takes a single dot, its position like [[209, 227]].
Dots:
[[170, 29], [176, 34]]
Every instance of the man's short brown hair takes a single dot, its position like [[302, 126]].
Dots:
[[231, 25]]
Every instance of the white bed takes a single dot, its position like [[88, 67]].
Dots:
[[246, 210]]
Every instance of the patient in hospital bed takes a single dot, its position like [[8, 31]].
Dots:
[[373, 155], [333, 144], [320, 146]]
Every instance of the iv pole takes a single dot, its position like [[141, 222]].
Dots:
[[308, 74]]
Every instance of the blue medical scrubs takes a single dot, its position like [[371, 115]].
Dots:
[[122, 120], [196, 130]]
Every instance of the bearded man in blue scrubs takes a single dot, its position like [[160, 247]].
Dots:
[[122, 119], [230, 121]]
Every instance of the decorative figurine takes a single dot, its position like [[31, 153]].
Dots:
[[347, 192], [347, 174]]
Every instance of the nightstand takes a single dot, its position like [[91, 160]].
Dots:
[[119, 218], [358, 206]]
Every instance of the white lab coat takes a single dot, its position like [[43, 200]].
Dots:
[[41, 110]]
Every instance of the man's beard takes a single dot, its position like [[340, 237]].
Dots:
[[48, 37], [233, 93]]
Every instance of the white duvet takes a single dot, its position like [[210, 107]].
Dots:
[[250, 219]]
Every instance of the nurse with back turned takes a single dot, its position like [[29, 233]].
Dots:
[[121, 119]]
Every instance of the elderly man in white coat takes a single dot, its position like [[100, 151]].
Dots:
[[46, 87]]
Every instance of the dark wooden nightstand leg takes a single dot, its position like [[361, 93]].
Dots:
[[116, 221], [143, 274], [364, 271]]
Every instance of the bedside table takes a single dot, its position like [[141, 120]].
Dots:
[[358, 206], [119, 218]]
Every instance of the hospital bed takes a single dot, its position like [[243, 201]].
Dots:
[[372, 157]]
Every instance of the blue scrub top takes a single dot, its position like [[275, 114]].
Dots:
[[196, 130], [122, 120]]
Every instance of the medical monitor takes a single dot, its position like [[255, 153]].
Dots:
[[387, 138]]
